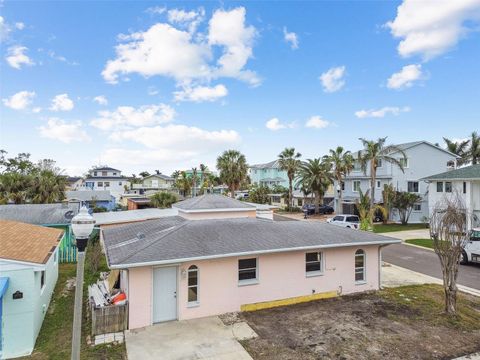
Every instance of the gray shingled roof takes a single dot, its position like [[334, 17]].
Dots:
[[211, 202], [175, 239], [107, 168], [39, 214], [89, 195], [272, 164], [466, 173]]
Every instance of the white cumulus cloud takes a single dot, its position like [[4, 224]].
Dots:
[[19, 101], [64, 131], [201, 93], [188, 55], [333, 79], [430, 28], [291, 38], [16, 57], [382, 112], [61, 102], [188, 19], [317, 122], [128, 116], [100, 100], [406, 77], [179, 138], [275, 124]]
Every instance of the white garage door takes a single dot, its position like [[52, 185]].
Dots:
[[164, 294]]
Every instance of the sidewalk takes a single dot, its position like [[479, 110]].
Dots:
[[409, 234], [393, 276]]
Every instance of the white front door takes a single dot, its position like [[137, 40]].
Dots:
[[164, 294]]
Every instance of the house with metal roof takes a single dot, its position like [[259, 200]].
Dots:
[[422, 159], [192, 265], [28, 273], [463, 182]]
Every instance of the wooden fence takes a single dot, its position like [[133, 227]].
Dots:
[[109, 319]]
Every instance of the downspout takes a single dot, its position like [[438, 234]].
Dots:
[[380, 266]]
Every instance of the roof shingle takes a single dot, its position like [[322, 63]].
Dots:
[[471, 172], [211, 202]]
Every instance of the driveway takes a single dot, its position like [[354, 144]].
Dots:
[[205, 338], [426, 262], [409, 234]]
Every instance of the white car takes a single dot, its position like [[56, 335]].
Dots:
[[471, 251], [348, 221]]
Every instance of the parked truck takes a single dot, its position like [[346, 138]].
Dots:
[[471, 251]]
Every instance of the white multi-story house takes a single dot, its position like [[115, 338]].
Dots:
[[463, 182], [107, 178], [422, 159]]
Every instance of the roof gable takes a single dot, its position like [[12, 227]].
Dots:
[[26, 242]]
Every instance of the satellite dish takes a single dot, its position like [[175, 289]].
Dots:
[[69, 215]]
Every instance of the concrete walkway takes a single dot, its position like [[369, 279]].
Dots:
[[409, 234], [205, 338]]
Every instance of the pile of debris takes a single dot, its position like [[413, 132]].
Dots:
[[107, 291]]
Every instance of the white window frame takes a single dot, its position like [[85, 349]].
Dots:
[[406, 162], [381, 163], [418, 186], [359, 185], [197, 270], [378, 184], [417, 210], [322, 262], [42, 287], [451, 186], [364, 268], [248, 281], [443, 186]]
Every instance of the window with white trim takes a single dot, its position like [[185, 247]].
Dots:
[[360, 266], [313, 263], [417, 207], [448, 186], [379, 184], [439, 186], [42, 279], [247, 271], [356, 185], [403, 162], [379, 163], [412, 186], [193, 284]]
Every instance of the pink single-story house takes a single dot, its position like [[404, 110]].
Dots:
[[183, 267]]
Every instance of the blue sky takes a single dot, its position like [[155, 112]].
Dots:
[[169, 85]]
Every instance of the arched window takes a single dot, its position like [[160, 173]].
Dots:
[[360, 266], [193, 284]]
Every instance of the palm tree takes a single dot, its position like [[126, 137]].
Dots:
[[182, 183], [194, 180], [163, 199], [289, 161], [203, 174], [373, 152], [458, 148], [316, 176], [47, 187], [233, 168], [13, 187], [474, 150], [176, 174], [342, 162], [366, 211]]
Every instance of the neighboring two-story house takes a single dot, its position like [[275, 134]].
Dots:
[[153, 183], [463, 182], [422, 159], [107, 178], [268, 174]]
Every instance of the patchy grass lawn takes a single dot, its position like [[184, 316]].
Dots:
[[396, 323], [384, 228], [55, 338], [428, 243]]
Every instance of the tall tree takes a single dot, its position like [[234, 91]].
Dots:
[[163, 199], [233, 169], [458, 148], [47, 187], [373, 152], [183, 183], [316, 176], [144, 174], [366, 211], [194, 181], [474, 150], [203, 176], [289, 161], [342, 162]]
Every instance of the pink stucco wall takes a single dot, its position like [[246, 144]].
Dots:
[[140, 297], [281, 276]]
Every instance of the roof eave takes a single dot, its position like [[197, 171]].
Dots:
[[258, 252]]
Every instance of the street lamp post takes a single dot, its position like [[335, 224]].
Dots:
[[82, 227]]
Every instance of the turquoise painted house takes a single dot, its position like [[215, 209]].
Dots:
[[268, 174], [28, 274]]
